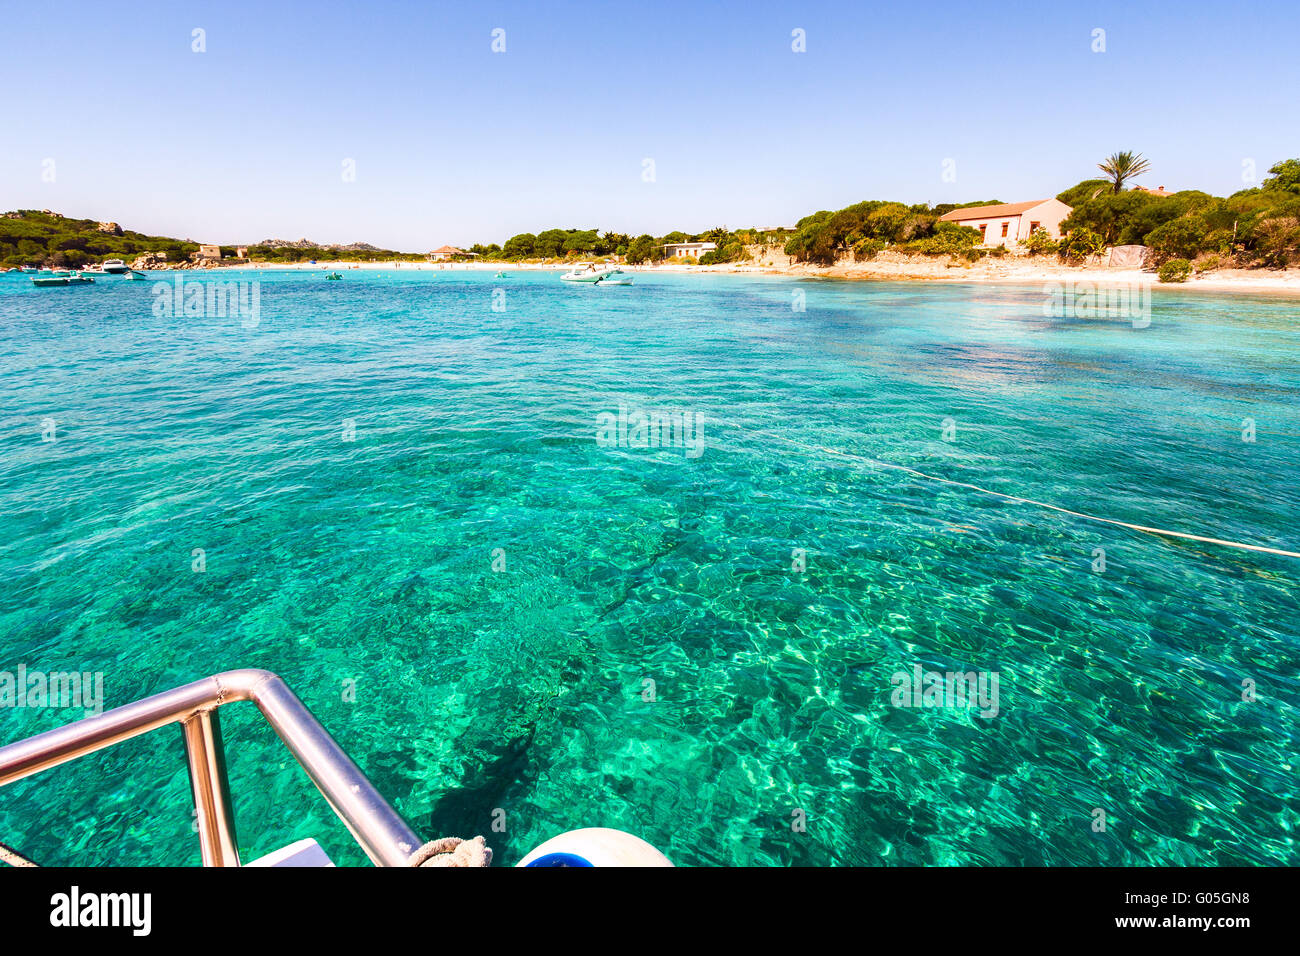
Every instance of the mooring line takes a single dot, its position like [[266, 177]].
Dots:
[[1263, 549]]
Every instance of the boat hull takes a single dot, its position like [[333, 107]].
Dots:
[[48, 281], [603, 275]]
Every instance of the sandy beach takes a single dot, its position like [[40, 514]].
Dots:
[[886, 266]]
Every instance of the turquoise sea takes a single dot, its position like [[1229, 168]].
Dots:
[[403, 509]]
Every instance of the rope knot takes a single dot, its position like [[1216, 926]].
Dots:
[[452, 851]]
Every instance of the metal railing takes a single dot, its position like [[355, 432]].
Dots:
[[375, 825]]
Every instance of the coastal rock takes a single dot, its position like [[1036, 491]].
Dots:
[[151, 260], [287, 244], [112, 228], [309, 244], [1127, 257]]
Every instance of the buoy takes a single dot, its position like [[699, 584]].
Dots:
[[595, 846]]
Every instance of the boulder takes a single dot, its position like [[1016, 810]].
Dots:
[[151, 260], [1127, 257]]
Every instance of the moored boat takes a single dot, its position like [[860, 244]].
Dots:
[[74, 278], [590, 272], [115, 267]]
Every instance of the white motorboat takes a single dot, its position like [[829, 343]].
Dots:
[[115, 267], [590, 272]]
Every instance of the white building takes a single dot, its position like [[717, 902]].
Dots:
[[696, 249], [1010, 223]]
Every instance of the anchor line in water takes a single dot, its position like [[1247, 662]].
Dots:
[[1263, 549]]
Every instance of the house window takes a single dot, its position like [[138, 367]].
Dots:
[[1033, 227], [1004, 229], [983, 226]]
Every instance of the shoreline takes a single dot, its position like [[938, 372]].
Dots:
[[882, 269]]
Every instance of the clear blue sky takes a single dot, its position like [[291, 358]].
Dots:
[[455, 143]]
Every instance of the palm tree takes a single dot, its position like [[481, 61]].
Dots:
[[1123, 166]]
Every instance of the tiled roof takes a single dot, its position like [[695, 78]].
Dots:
[[990, 212]]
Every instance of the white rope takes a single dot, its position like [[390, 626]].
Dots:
[[452, 851], [1041, 504]]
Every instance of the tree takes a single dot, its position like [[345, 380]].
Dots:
[[643, 248], [1088, 189], [1121, 167], [582, 242], [550, 243], [615, 242], [887, 221], [949, 239], [520, 246], [1278, 241], [813, 242], [1113, 216], [1180, 238], [1286, 176]]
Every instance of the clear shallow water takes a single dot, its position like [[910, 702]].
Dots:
[[372, 561]]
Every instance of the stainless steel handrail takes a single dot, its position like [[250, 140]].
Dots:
[[375, 825]]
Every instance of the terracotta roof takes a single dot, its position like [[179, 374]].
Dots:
[[451, 249], [990, 212]]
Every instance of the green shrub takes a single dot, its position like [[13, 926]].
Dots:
[[949, 239], [1277, 241], [731, 252], [1081, 243], [865, 249], [1088, 189], [1175, 270], [1040, 243], [1180, 238], [641, 249], [814, 242]]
